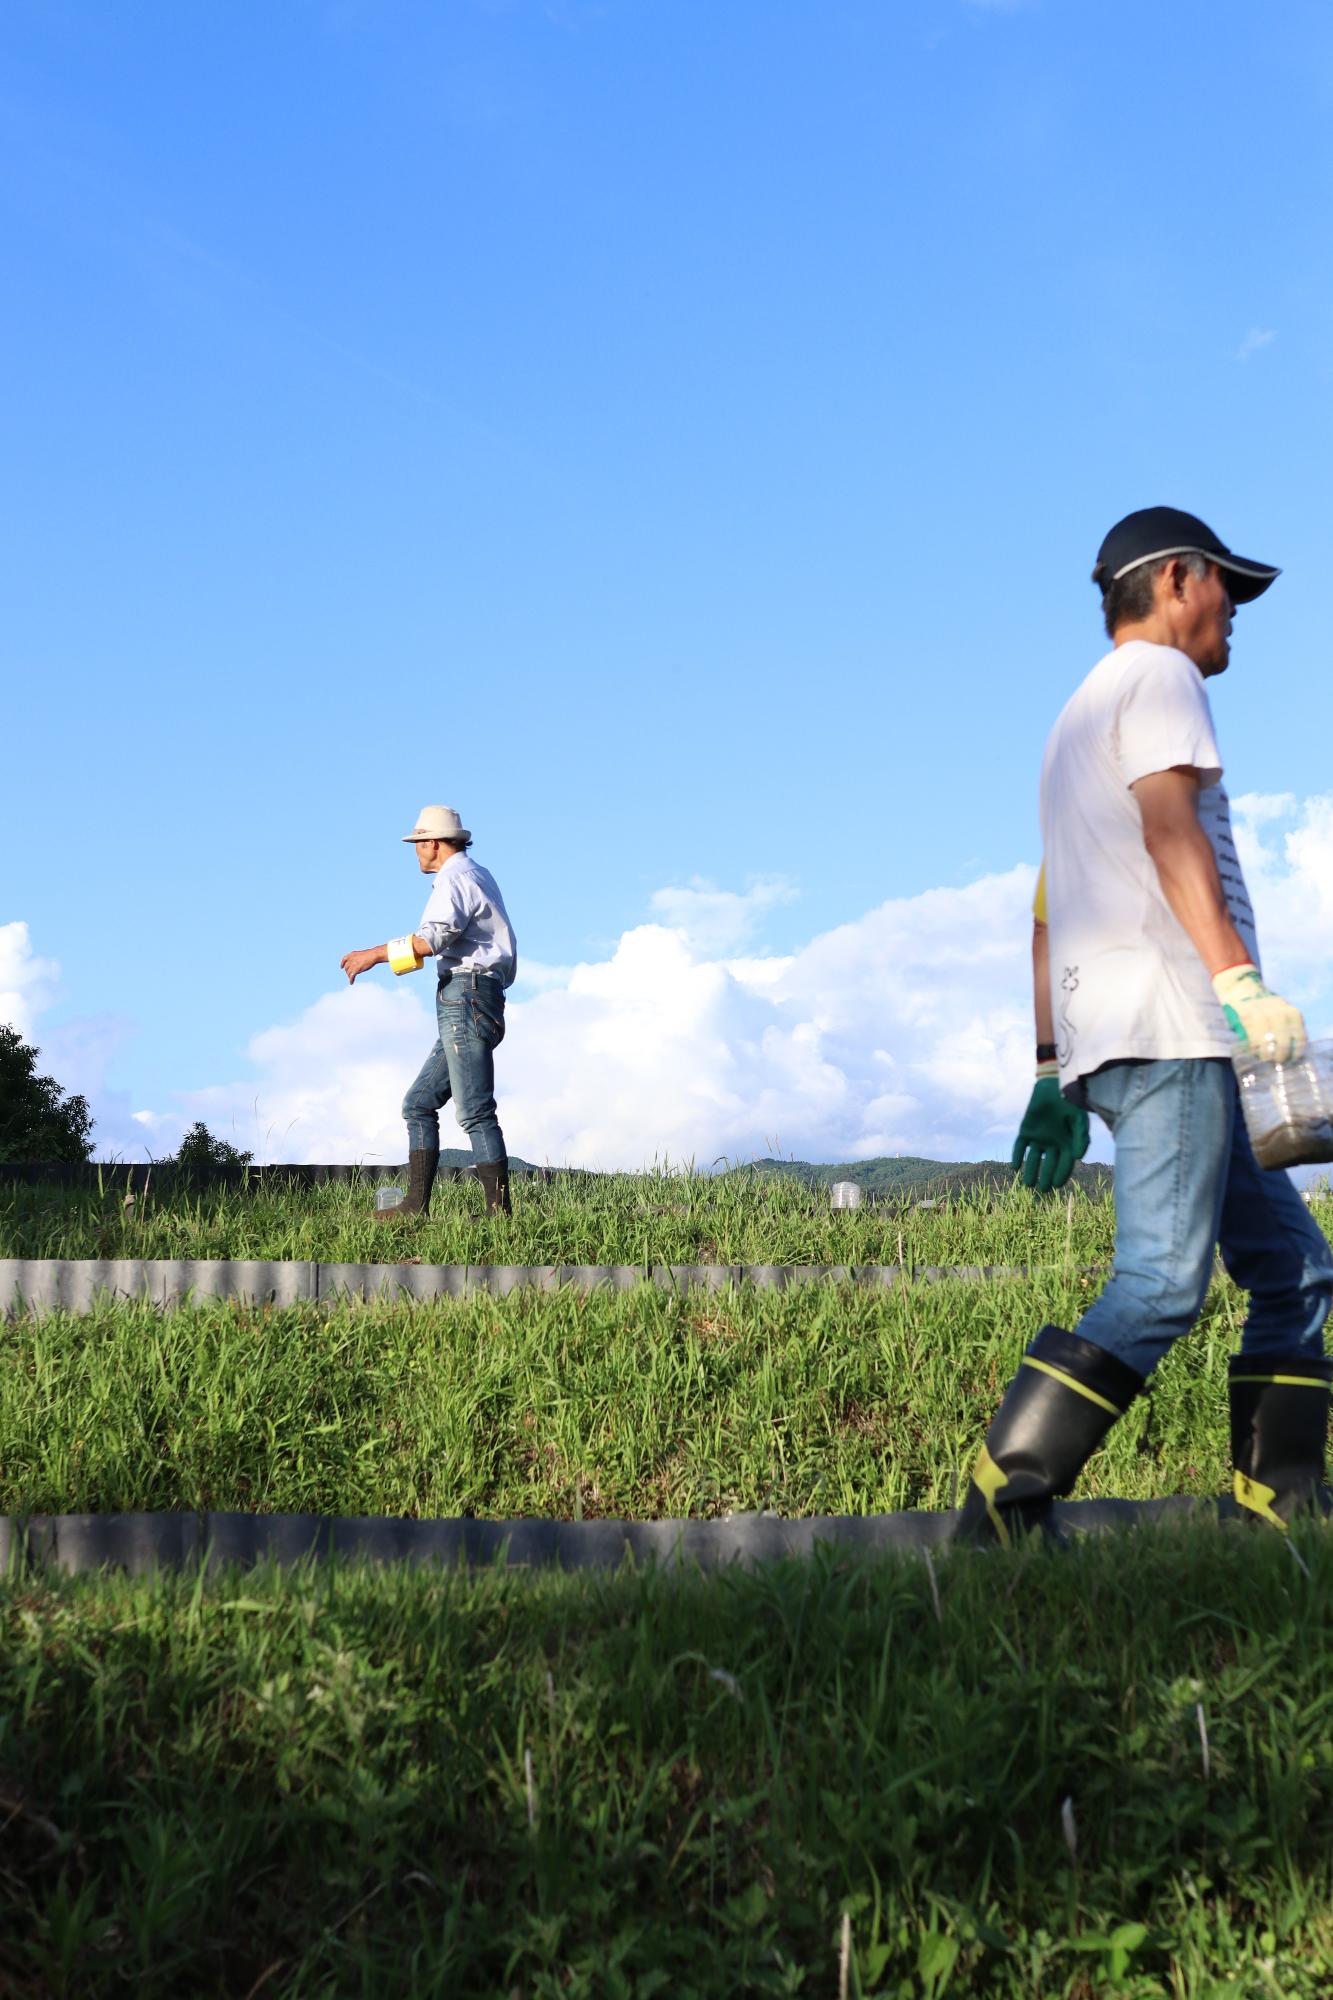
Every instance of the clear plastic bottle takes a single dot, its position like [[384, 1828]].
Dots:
[[1288, 1106], [387, 1197], [845, 1194]]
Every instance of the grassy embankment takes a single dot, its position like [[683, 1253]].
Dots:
[[645, 1404], [823, 1399], [318, 1782], [1105, 1772], [619, 1219]]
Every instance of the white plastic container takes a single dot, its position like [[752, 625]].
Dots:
[[1289, 1106], [845, 1194], [388, 1197]]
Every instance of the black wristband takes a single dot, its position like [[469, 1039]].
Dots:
[[1045, 1051]]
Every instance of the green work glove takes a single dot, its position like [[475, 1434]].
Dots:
[[1054, 1134]]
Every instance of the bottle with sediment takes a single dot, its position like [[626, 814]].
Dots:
[[1288, 1106]]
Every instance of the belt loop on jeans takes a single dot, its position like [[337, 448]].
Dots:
[[472, 973]]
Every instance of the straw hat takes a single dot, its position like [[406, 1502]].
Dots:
[[438, 823]]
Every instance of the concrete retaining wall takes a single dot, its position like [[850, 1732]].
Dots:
[[77, 1284], [165, 1175], [75, 1543]]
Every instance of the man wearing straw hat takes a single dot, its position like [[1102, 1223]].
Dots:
[[1146, 981], [466, 927]]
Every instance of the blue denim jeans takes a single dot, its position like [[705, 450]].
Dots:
[[1186, 1179], [470, 1011]]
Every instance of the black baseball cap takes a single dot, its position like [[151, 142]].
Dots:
[[1157, 532]]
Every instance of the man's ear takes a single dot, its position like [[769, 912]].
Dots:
[[1169, 584]]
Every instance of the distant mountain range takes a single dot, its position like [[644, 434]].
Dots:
[[904, 1174]]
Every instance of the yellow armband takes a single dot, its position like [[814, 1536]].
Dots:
[[403, 954], [1039, 900]]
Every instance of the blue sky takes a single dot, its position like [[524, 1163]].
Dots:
[[678, 435]]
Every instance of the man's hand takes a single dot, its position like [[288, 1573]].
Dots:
[[361, 961], [1054, 1134], [1266, 1025]]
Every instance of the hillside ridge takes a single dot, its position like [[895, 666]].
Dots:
[[908, 1173]]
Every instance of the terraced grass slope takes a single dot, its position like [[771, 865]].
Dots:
[[647, 1404], [1101, 1773], [661, 1218]]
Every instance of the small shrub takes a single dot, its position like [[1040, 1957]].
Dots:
[[199, 1148]]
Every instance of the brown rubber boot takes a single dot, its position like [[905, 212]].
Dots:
[[420, 1180], [494, 1177]]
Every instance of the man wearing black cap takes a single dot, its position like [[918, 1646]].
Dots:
[[1146, 980]]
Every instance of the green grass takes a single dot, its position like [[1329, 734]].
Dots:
[[664, 1218], [646, 1404], [606, 1788], [620, 1219], [316, 1782]]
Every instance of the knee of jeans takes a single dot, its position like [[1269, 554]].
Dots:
[[474, 1115], [1158, 1297], [414, 1109]]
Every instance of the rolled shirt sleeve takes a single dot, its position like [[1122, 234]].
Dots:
[[447, 911]]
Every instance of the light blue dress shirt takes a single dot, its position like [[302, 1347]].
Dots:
[[465, 922]]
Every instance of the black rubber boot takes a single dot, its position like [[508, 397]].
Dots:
[[494, 1177], [420, 1180], [1279, 1426], [1056, 1411]]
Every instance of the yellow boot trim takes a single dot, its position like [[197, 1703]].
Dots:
[[989, 1481], [1258, 1499], [1288, 1381], [1080, 1388]]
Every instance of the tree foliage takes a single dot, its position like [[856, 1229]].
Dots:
[[199, 1148], [38, 1121]]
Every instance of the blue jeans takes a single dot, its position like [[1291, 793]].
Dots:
[[470, 1010], [1186, 1179]]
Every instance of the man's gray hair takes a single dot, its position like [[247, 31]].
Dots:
[[1129, 598]]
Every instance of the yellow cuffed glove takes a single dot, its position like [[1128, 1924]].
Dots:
[[403, 954], [1266, 1025]]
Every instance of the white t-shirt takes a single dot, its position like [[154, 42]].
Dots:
[[1125, 979]]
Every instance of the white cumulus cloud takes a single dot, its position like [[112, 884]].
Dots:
[[76, 1051], [1286, 849], [717, 920], [908, 1030], [28, 983], [1258, 337]]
